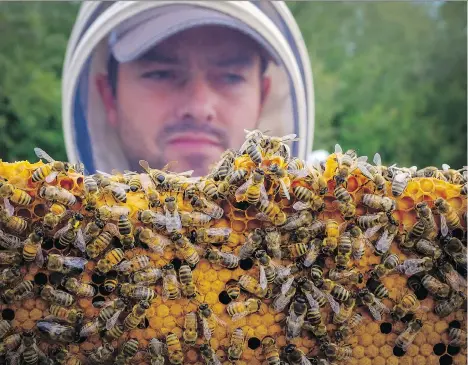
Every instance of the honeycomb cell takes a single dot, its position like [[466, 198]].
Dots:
[[358, 352], [238, 225], [456, 202], [405, 203], [427, 185], [412, 189]]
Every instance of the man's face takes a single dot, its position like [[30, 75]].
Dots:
[[188, 99]]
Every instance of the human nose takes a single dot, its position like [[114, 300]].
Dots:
[[196, 101]]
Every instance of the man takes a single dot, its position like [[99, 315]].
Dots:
[[178, 82]]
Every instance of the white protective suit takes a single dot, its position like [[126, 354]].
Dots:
[[288, 109]]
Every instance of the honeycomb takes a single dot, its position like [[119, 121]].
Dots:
[[371, 342]]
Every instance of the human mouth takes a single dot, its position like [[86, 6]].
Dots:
[[193, 141]]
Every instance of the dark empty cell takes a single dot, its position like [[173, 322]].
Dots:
[[82, 339], [414, 283], [40, 279], [254, 343], [144, 323], [96, 288], [55, 278], [372, 284], [103, 291], [446, 360], [246, 264], [453, 350], [422, 293], [177, 263], [40, 210], [224, 298], [48, 243], [386, 328], [241, 205], [439, 349], [8, 314], [398, 351], [455, 324], [98, 279], [116, 243], [407, 318], [458, 233], [98, 298]]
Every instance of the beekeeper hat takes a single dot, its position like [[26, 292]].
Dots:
[[104, 27]]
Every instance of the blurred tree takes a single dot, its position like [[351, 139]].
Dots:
[[388, 77], [32, 48]]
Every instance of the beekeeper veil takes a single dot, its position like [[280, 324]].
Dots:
[[104, 27]]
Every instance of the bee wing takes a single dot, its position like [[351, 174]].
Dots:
[[14, 357], [364, 170], [401, 177], [113, 320], [382, 307], [9, 241], [39, 256], [146, 182], [443, 226], [79, 242], [314, 305], [377, 159], [289, 137], [112, 229], [375, 313], [43, 154], [338, 149], [62, 230], [305, 360], [371, 231], [301, 205], [221, 231], [263, 193], [124, 266], [383, 243], [121, 186], [333, 303], [284, 187], [242, 189], [206, 329], [8, 207], [51, 177], [219, 320], [173, 222], [104, 173], [263, 278], [299, 173], [287, 285], [159, 219], [238, 316], [262, 217]]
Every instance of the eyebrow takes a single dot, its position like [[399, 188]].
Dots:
[[240, 60], [159, 58]]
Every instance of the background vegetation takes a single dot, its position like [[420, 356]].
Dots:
[[389, 77]]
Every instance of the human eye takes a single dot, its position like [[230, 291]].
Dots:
[[160, 75], [232, 78]]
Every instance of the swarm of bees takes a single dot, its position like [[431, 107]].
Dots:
[[142, 237]]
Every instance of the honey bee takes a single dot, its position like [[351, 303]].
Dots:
[[9, 276], [173, 222], [375, 306], [209, 355], [444, 307], [427, 219], [190, 333], [57, 194], [268, 268], [107, 185], [102, 241], [273, 146], [215, 236], [431, 171], [10, 344], [106, 213], [388, 264], [102, 354], [358, 242], [302, 219], [295, 356], [66, 264], [270, 211], [309, 200], [72, 316], [209, 320], [224, 167], [154, 241], [345, 312], [413, 266], [127, 352], [209, 188], [457, 337], [110, 312], [136, 263], [453, 176], [23, 290], [282, 299], [194, 219], [282, 177], [252, 243], [347, 210], [10, 258], [156, 350], [346, 330], [137, 292], [11, 222], [374, 173], [126, 231], [372, 221], [449, 219], [404, 304], [55, 296], [50, 170], [188, 287], [186, 249], [347, 163], [270, 351], [451, 276], [232, 289], [202, 205], [136, 316], [400, 181], [345, 277], [79, 288], [28, 350], [9, 241], [406, 338], [153, 196], [296, 317], [171, 287], [253, 189], [111, 259], [56, 332], [273, 242], [252, 148], [313, 315], [238, 310], [381, 203], [435, 287], [224, 259], [9, 191], [72, 233], [55, 216], [385, 240], [251, 285], [456, 250], [147, 276]]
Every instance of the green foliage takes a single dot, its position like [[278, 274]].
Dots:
[[388, 77]]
